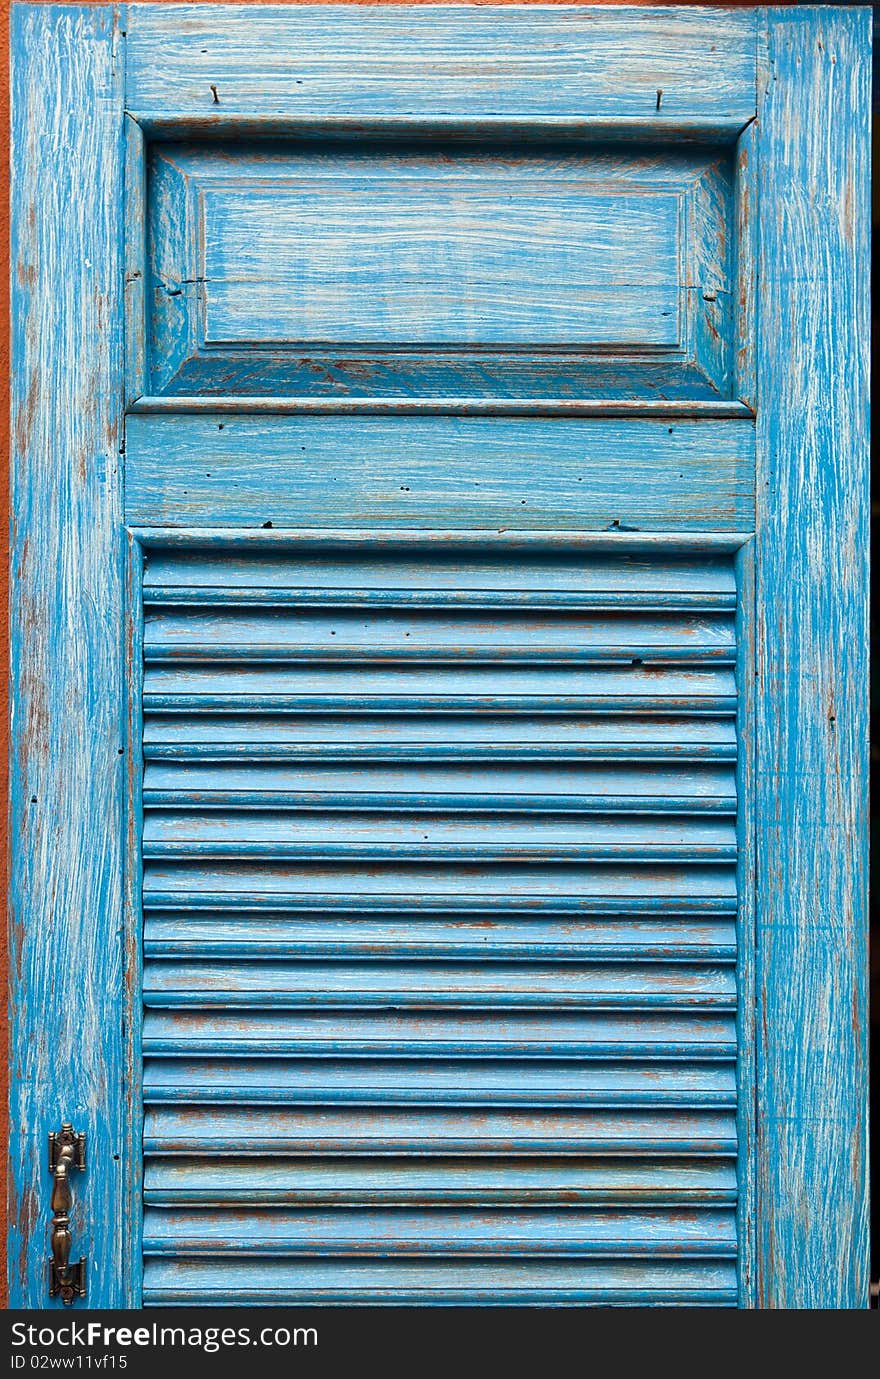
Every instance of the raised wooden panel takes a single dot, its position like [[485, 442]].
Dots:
[[399, 261], [444, 268], [499, 924], [218, 469]]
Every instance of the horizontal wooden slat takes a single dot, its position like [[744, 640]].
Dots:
[[433, 569], [370, 1034], [504, 788], [466, 637], [360, 795], [494, 934], [220, 833], [498, 985], [180, 596], [218, 738], [580, 889], [541, 63], [455, 472], [399, 1082], [519, 566], [312, 1130], [450, 1232], [497, 1282], [433, 689], [345, 1182]]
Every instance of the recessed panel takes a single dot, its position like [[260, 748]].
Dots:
[[357, 268]]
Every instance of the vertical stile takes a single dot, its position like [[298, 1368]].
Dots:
[[812, 638], [67, 788], [133, 925]]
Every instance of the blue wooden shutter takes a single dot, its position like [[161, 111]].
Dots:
[[438, 650]]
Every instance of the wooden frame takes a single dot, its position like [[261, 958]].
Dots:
[[68, 741], [803, 198], [811, 800]]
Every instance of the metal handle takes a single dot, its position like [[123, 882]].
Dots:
[[67, 1151]]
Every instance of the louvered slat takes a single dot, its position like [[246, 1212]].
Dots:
[[439, 925]]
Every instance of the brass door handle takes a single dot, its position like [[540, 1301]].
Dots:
[[67, 1151]]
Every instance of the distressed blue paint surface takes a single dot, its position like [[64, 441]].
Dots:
[[467, 262], [451, 820], [812, 658], [440, 472], [444, 64], [489, 269], [68, 735], [485, 956]]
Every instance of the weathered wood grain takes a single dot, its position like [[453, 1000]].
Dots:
[[812, 657], [462, 262], [436, 471], [496, 1282], [346, 267], [135, 211], [68, 731], [745, 264], [797, 249], [320, 63], [585, 918]]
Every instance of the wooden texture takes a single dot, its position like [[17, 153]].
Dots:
[[5, 405], [812, 658], [570, 64], [68, 728], [434, 471], [459, 262], [271, 692], [345, 268], [459, 948]]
